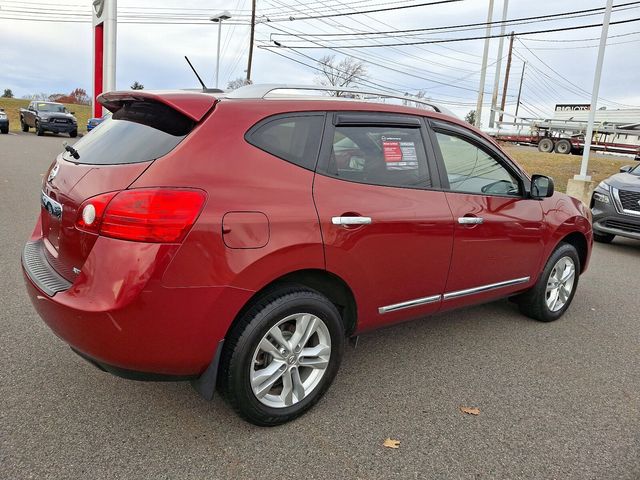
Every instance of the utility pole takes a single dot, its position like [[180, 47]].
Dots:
[[594, 95], [483, 72], [524, 64], [496, 79], [506, 78], [253, 28]]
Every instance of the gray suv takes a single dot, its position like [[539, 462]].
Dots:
[[615, 206]]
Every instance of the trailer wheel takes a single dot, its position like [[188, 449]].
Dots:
[[563, 146], [545, 145]]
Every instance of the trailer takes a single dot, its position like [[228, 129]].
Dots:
[[568, 136]]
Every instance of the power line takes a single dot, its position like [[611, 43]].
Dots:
[[510, 22], [448, 40], [313, 17]]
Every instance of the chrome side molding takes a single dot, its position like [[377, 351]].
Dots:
[[410, 303], [485, 288]]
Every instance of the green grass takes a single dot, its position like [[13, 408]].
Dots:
[[12, 108], [563, 167]]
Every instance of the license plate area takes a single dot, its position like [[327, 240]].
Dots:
[[51, 219]]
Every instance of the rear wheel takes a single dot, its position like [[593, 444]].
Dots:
[[603, 237], [545, 145], [282, 355], [552, 294], [563, 146]]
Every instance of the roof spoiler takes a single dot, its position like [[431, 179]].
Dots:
[[191, 104]]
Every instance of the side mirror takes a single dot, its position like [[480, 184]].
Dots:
[[626, 168], [72, 113], [541, 187], [1, 109]]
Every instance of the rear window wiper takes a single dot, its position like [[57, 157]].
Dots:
[[74, 153]]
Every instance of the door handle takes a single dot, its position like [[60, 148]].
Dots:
[[470, 220], [351, 220]]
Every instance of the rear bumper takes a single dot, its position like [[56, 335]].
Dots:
[[119, 315]]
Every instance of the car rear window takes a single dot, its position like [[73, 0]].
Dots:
[[137, 132]]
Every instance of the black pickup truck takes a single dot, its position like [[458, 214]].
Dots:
[[48, 117]]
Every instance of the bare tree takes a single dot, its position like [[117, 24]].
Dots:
[[343, 73], [238, 82]]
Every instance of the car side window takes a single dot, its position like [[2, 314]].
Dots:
[[379, 155], [471, 169], [295, 139]]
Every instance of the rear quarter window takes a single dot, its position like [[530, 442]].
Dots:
[[136, 132], [294, 138]]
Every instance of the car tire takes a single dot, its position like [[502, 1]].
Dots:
[[73, 133], [39, 130], [545, 145], [5, 130], [563, 147], [25, 127], [261, 340], [558, 280], [603, 237]]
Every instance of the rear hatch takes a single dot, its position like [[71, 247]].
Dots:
[[143, 127]]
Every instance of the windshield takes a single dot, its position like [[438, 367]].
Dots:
[[51, 107], [635, 170]]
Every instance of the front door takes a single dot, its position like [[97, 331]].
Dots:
[[386, 232], [498, 239]]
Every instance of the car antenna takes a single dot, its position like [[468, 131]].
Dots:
[[204, 87]]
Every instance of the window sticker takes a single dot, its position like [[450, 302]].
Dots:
[[399, 155]]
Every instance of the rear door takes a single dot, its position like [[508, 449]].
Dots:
[[498, 236], [387, 230]]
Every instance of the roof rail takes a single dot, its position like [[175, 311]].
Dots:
[[263, 90]]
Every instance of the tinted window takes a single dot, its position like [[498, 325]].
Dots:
[[137, 132], [295, 139], [471, 169], [389, 156]]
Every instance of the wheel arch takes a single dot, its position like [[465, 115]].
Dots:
[[323, 281]]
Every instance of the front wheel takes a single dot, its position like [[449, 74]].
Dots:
[[73, 133], [39, 129], [25, 127], [282, 355], [5, 130], [552, 294]]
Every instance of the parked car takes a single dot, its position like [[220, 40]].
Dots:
[[48, 117], [223, 240], [4, 121], [615, 205], [94, 122]]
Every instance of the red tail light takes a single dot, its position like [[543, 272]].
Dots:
[[157, 215]]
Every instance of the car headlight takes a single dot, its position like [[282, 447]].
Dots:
[[601, 197], [2, 116], [604, 186]]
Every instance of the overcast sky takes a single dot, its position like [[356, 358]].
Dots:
[[43, 56]]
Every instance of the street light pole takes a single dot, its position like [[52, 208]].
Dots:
[[594, 95], [218, 19], [483, 72]]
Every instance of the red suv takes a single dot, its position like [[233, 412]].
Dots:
[[238, 240]]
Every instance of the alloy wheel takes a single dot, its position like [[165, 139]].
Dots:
[[560, 283], [290, 360]]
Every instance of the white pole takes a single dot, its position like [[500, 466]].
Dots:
[[110, 43], [483, 73], [218, 57], [594, 95], [496, 80]]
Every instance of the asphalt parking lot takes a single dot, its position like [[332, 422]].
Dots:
[[557, 401]]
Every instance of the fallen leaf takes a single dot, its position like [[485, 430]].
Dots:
[[470, 410], [389, 443]]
